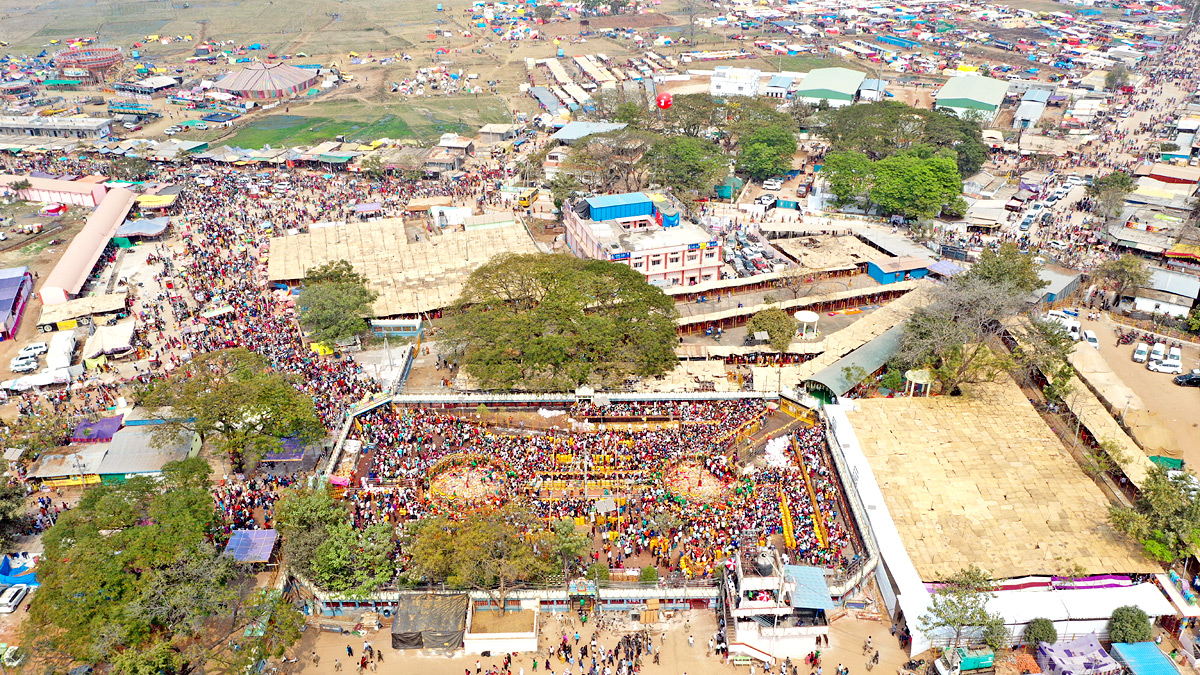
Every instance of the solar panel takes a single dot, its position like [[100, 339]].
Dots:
[[250, 546]]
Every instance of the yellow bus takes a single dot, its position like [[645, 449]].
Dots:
[[528, 197]]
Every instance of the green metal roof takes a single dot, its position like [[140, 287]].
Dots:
[[870, 357], [841, 81], [987, 91]]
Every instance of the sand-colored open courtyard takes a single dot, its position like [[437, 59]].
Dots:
[[981, 479]]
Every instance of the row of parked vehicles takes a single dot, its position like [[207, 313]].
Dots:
[[1163, 359], [748, 256], [28, 359]]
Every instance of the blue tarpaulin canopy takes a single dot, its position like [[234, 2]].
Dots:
[[251, 546]]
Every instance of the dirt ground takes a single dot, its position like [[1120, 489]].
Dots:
[[1178, 407], [846, 637], [508, 622]]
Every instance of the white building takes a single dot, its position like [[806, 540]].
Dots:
[[773, 609], [728, 81], [1168, 292]]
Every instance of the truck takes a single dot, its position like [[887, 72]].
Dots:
[[963, 661]]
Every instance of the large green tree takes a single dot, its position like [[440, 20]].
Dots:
[[1129, 623], [1127, 273], [333, 312], [233, 401], [1166, 517], [848, 175], [779, 326], [916, 186], [320, 544], [689, 166], [766, 151], [1008, 265], [554, 322], [493, 551], [131, 577], [958, 610], [886, 127]]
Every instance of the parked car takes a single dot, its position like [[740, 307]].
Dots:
[[1168, 365], [1191, 379], [1141, 352], [773, 184], [766, 198], [802, 191], [1158, 352], [23, 364], [1089, 338], [35, 349], [11, 599]]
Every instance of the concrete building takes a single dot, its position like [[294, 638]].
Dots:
[[54, 191], [491, 134], [836, 86], [962, 95], [56, 127], [773, 608], [780, 86], [1033, 106], [728, 81], [645, 233]]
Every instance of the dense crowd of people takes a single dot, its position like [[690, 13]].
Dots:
[[411, 454]]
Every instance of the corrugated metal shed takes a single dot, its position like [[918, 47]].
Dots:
[[627, 205]]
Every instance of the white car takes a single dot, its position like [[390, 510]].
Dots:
[[1089, 338], [1141, 352], [772, 184], [23, 365], [1168, 365], [35, 349]]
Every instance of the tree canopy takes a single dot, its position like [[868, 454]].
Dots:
[[1129, 624], [959, 608], [884, 128], [766, 151], [951, 333], [131, 577], [1125, 273], [1008, 265], [320, 544], [689, 166], [779, 326], [336, 311], [554, 322], [1166, 517], [913, 183], [230, 398], [492, 551]]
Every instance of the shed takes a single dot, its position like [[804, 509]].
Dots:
[[962, 94], [573, 131], [430, 621], [133, 451], [837, 86], [1143, 658], [619, 206], [831, 382], [891, 270], [73, 269], [1062, 284]]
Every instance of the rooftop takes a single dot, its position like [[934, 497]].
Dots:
[[609, 234], [410, 276], [841, 80], [36, 122], [966, 480], [986, 90], [574, 131]]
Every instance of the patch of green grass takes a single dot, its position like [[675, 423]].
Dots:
[[36, 247], [358, 121], [806, 62]]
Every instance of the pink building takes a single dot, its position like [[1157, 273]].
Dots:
[[54, 191], [646, 234]]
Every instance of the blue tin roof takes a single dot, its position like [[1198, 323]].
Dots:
[[811, 590], [603, 201]]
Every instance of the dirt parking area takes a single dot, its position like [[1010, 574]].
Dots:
[[1178, 407]]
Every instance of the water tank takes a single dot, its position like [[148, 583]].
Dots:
[[764, 564]]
